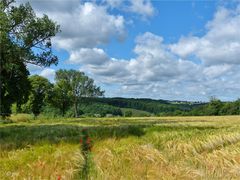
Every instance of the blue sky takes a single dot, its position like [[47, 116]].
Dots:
[[176, 50], [173, 19]]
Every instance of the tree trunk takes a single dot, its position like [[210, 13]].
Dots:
[[75, 108], [19, 109], [63, 109]]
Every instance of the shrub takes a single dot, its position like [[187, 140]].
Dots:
[[128, 114]]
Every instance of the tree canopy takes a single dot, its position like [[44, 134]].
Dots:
[[24, 38], [75, 85], [40, 90]]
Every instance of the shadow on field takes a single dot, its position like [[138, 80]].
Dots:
[[20, 136], [110, 122], [14, 137], [183, 128]]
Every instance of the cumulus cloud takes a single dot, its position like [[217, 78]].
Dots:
[[87, 26], [156, 72], [88, 56], [83, 24], [221, 43], [142, 7], [217, 70], [113, 3], [154, 66], [185, 46]]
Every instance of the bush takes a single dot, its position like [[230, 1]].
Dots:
[[128, 114]]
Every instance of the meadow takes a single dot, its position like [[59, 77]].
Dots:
[[206, 147]]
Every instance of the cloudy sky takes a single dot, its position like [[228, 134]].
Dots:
[[176, 50]]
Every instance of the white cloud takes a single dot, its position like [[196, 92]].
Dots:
[[157, 73], [153, 65], [89, 56], [185, 46], [113, 3], [87, 26], [48, 73], [83, 24], [217, 70], [221, 43], [142, 7], [33, 68]]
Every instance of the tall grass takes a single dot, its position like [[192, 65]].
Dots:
[[123, 148]]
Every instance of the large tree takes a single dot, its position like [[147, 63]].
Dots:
[[24, 38], [75, 85]]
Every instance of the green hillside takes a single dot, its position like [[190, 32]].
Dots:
[[149, 105], [134, 112]]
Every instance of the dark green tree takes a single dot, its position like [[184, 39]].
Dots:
[[59, 97], [40, 90], [128, 114], [75, 85], [214, 107], [24, 38]]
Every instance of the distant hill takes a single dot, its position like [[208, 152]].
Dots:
[[150, 106], [134, 112]]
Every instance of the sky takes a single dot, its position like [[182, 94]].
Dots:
[[174, 50]]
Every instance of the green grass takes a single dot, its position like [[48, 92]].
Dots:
[[123, 148]]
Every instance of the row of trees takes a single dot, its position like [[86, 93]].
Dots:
[[216, 107], [69, 87]]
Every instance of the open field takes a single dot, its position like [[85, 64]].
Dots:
[[123, 148]]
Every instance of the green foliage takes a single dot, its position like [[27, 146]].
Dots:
[[95, 109], [136, 113], [59, 97], [50, 112], [149, 105], [232, 108], [39, 93], [75, 85], [216, 107], [24, 38], [128, 114]]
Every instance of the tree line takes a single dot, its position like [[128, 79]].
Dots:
[[214, 107], [69, 87]]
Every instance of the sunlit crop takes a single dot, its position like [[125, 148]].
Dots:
[[121, 148]]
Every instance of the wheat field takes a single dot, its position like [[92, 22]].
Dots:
[[122, 148]]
